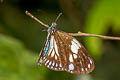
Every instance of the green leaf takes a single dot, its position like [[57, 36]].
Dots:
[[16, 62], [103, 15]]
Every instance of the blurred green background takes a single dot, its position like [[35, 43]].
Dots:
[[21, 38]]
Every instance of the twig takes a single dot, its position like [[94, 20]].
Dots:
[[29, 14], [94, 35], [75, 34]]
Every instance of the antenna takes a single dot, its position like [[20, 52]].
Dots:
[[58, 16]]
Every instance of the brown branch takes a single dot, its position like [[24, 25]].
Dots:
[[36, 19], [75, 34], [94, 35]]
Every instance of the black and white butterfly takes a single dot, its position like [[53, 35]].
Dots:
[[62, 52]]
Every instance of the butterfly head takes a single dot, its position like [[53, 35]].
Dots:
[[52, 28]]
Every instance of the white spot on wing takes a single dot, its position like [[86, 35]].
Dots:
[[50, 63], [45, 64], [60, 65], [89, 66], [51, 41], [75, 46], [82, 69], [49, 52], [43, 57], [53, 63], [71, 71], [56, 49], [71, 67], [90, 61], [40, 61], [51, 45], [55, 68], [56, 65], [74, 49], [70, 58], [73, 43], [51, 66], [55, 57], [66, 37], [47, 61], [75, 56], [53, 53], [77, 42], [86, 69]]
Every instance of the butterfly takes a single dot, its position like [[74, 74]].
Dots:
[[62, 52]]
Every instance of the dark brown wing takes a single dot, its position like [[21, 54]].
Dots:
[[75, 57]]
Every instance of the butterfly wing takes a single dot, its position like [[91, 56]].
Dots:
[[66, 53], [76, 57], [43, 51], [49, 54]]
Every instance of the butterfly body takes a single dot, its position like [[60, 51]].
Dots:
[[62, 52]]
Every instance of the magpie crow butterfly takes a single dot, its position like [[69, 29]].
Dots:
[[62, 52]]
